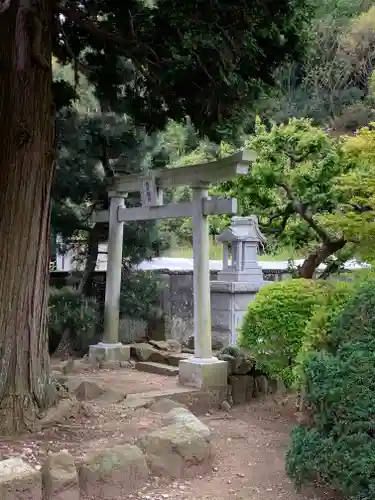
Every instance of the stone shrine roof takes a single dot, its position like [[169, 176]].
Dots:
[[242, 229]]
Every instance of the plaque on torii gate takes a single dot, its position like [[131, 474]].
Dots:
[[202, 370]]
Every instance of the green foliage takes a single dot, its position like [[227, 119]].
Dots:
[[85, 144], [331, 85], [72, 315], [337, 448], [296, 161], [356, 49], [179, 139], [319, 327], [90, 146], [354, 215], [202, 152], [274, 325], [230, 350], [341, 10], [290, 184], [139, 295], [239, 360], [168, 61]]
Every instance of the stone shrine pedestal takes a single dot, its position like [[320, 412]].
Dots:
[[230, 301]]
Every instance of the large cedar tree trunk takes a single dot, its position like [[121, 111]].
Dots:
[[26, 170]]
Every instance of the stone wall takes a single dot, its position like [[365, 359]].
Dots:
[[177, 296], [176, 302]]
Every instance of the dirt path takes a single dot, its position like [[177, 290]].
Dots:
[[249, 462], [250, 442]]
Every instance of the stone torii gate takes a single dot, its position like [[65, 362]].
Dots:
[[202, 370]]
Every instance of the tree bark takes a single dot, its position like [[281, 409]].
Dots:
[[26, 171], [313, 261]]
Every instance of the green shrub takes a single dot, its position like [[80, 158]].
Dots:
[[72, 316], [139, 295], [337, 447], [275, 322], [318, 327]]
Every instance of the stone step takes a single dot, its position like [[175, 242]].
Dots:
[[174, 358], [143, 399], [159, 368]]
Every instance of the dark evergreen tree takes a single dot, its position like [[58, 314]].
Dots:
[[89, 147]]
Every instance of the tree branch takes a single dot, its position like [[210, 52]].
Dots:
[[124, 47], [284, 223], [78, 66], [92, 27], [273, 218], [332, 267], [302, 210], [4, 6], [109, 172], [197, 58], [296, 159], [285, 214], [361, 209]]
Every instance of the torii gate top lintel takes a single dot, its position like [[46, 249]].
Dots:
[[190, 175]]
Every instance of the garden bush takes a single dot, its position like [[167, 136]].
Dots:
[[275, 322], [72, 320], [336, 447], [318, 327], [139, 295]]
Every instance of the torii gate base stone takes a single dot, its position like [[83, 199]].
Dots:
[[202, 371]]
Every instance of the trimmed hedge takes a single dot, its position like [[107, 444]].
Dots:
[[337, 446], [275, 323]]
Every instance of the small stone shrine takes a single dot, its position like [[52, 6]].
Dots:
[[240, 279]]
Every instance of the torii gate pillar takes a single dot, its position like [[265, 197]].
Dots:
[[110, 349], [202, 370]]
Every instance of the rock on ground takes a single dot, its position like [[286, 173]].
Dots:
[[242, 388], [174, 345], [113, 472], [216, 344], [64, 409], [19, 480], [60, 477], [249, 459], [88, 390], [145, 352], [165, 405], [181, 449], [183, 417]]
